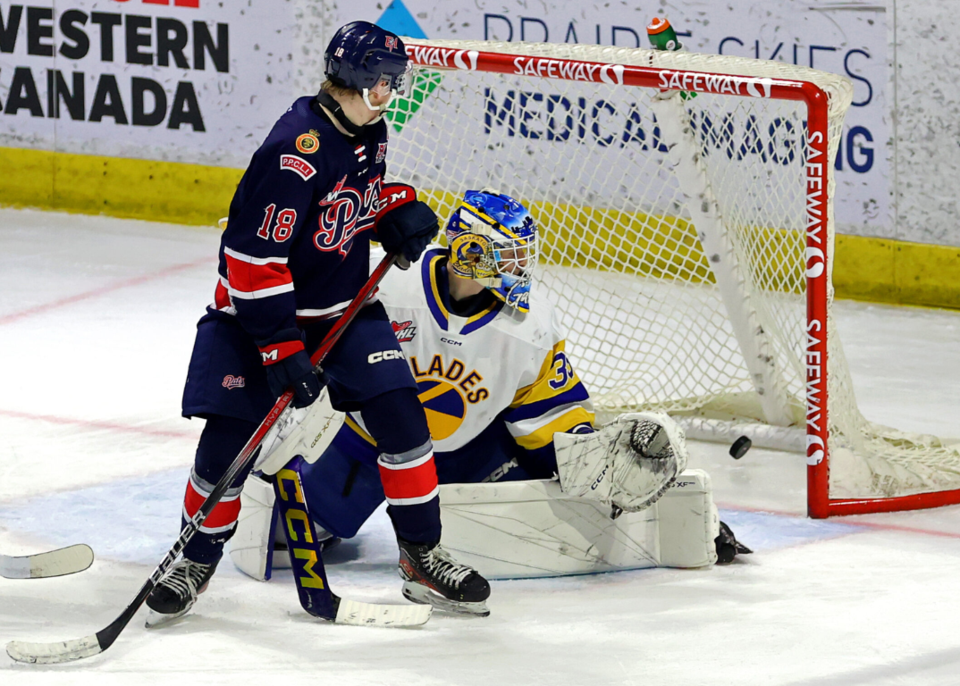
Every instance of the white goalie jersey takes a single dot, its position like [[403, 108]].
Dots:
[[498, 363]]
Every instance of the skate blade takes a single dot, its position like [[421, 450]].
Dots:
[[422, 595], [158, 619]]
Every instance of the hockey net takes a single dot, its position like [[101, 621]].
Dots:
[[686, 209]]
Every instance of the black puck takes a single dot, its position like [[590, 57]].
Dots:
[[740, 447]]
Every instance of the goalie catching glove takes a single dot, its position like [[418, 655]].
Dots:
[[627, 464]]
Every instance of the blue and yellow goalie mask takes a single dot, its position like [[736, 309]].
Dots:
[[493, 240]]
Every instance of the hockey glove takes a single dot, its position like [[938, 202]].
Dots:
[[296, 372], [405, 225]]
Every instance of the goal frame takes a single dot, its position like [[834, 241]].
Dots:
[[817, 248]]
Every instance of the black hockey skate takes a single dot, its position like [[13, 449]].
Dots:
[[177, 591], [728, 547], [432, 577]]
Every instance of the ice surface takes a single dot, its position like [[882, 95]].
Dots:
[[96, 320]]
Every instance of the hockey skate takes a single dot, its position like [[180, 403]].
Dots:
[[176, 592], [432, 577]]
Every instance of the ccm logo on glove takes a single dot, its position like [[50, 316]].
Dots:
[[373, 358]]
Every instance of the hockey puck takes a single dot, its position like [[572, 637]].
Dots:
[[740, 447]]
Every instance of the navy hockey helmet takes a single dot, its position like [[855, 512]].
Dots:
[[364, 57]]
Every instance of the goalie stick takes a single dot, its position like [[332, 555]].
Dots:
[[309, 573], [60, 562], [342, 611]]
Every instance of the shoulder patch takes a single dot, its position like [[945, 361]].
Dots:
[[297, 164], [308, 143]]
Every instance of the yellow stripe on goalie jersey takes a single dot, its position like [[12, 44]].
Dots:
[[562, 424], [556, 376]]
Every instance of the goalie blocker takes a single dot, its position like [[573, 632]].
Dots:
[[544, 528]]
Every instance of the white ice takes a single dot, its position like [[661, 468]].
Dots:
[[96, 322]]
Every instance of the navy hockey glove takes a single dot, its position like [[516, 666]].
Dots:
[[297, 373], [405, 225], [288, 366]]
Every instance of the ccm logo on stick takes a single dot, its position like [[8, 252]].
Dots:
[[373, 358]]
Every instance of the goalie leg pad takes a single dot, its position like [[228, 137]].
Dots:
[[628, 463], [252, 547], [529, 529]]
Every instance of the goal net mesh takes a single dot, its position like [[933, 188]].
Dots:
[[621, 257]]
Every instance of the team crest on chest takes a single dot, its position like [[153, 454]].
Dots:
[[348, 211]]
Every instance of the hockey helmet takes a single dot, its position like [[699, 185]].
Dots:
[[364, 57], [493, 240]]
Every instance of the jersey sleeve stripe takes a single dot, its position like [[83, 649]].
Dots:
[[261, 292], [576, 394], [221, 297], [235, 256], [527, 426], [543, 435], [329, 311], [246, 277]]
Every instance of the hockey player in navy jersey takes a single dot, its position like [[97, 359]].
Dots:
[[294, 253]]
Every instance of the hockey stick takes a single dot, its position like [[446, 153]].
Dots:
[[94, 644], [69, 560], [308, 570]]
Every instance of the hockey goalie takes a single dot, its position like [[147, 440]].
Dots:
[[529, 486]]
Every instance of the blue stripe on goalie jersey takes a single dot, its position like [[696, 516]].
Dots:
[[575, 394], [436, 289], [427, 271], [482, 318]]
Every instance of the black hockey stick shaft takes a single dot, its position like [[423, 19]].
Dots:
[[108, 635]]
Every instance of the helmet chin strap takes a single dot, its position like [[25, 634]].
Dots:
[[329, 102], [382, 109]]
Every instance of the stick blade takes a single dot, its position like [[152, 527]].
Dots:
[[69, 560], [367, 614], [54, 653]]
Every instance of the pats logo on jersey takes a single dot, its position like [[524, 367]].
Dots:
[[348, 211], [405, 331], [230, 381]]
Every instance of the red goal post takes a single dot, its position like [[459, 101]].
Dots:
[[429, 116]]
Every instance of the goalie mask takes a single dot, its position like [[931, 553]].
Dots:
[[493, 240]]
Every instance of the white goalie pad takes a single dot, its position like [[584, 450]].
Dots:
[[630, 462], [251, 547], [305, 431], [528, 529]]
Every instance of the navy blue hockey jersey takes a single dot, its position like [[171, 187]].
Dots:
[[297, 242]]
